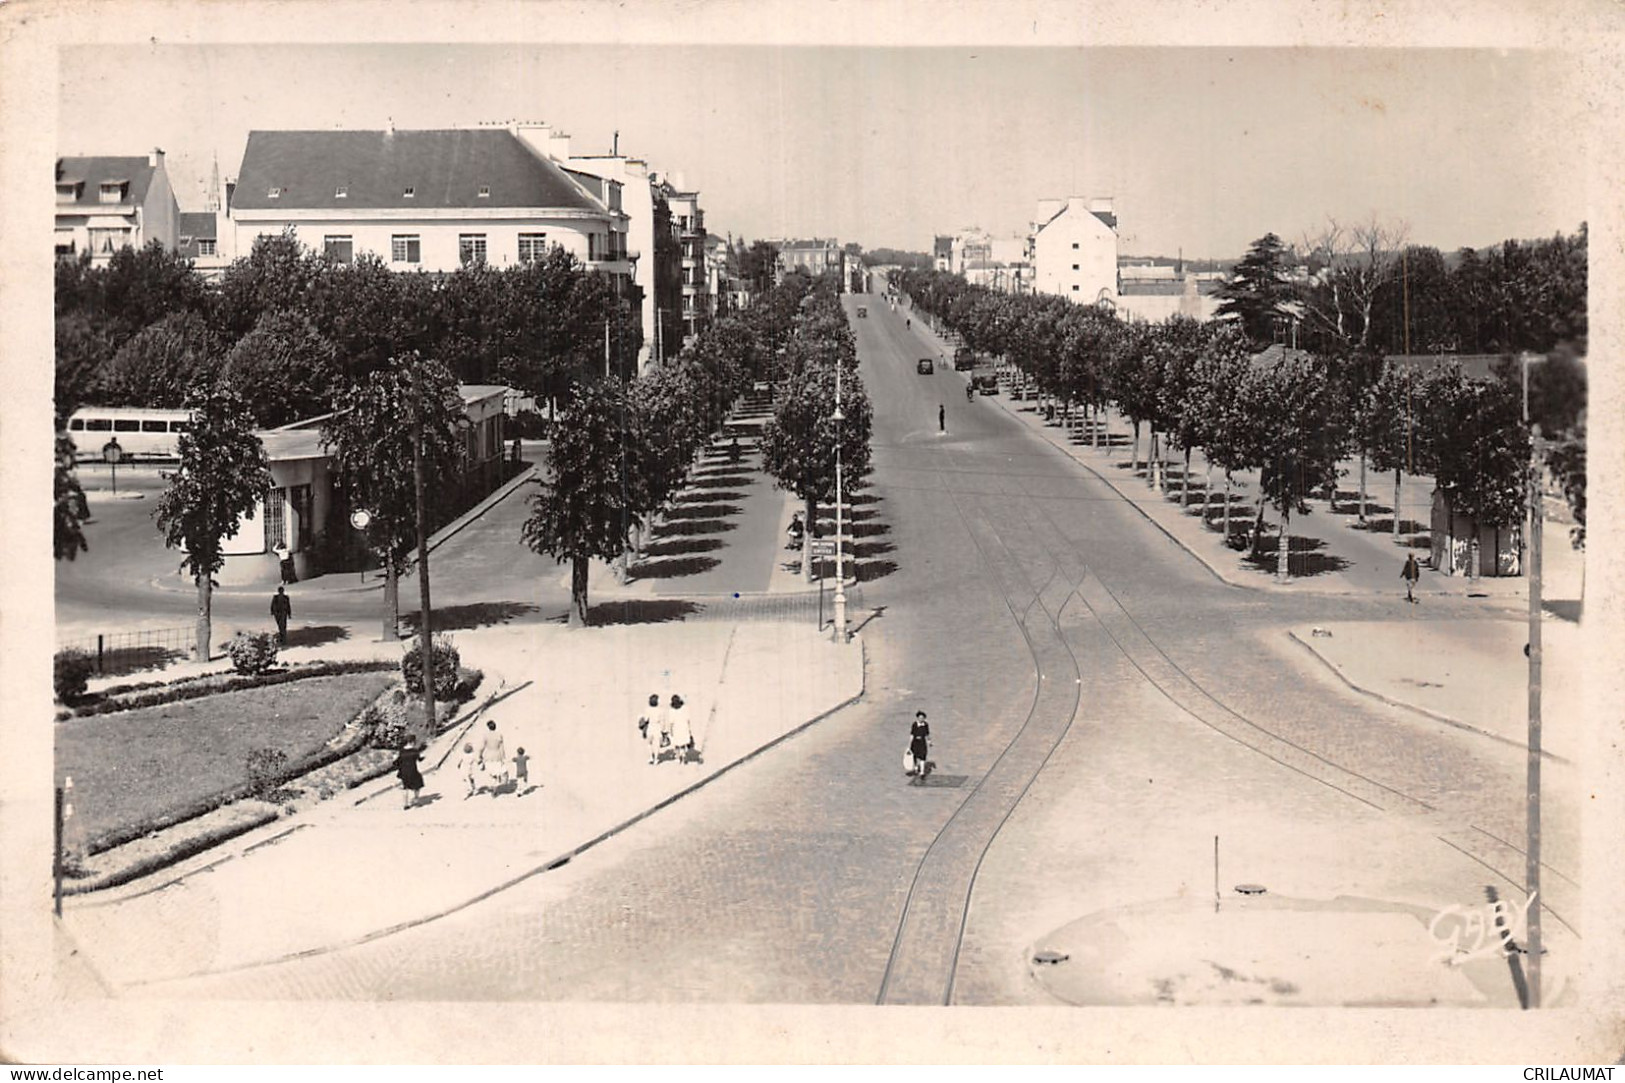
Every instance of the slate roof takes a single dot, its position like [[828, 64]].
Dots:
[[445, 168], [96, 169], [194, 226]]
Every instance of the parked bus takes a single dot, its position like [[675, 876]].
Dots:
[[141, 433]]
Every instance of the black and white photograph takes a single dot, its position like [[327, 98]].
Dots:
[[641, 533]]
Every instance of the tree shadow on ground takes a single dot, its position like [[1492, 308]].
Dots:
[[701, 511], [867, 530], [1303, 558], [451, 618], [640, 611], [316, 636], [674, 567], [705, 497], [719, 481], [681, 547], [867, 571], [136, 659], [862, 498], [693, 526], [865, 550], [1385, 525]]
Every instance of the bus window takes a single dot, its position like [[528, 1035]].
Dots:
[[98, 424], [154, 426], [126, 424], [180, 426], [77, 425]]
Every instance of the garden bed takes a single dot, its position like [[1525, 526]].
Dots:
[[141, 767]]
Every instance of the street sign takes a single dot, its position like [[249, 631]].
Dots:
[[823, 548], [360, 518]]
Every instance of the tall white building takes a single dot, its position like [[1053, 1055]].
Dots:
[[1074, 249]]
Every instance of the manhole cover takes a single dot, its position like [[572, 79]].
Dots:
[[950, 782], [1249, 889], [1050, 958]]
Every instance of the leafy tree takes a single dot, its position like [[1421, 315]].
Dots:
[[1291, 404], [1211, 402], [277, 275], [758, 265], [1135, 380], [373, 440], [161, 363], [1359, 262], [1566, 459], [1176, 345], [84, 347], [1257, 289], [141, 286], [1387, 421], [222, 477], [585, 508], [799, 442], [286, 369], [69, 510], [1477, 445]]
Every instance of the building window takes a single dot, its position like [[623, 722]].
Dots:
[[485, 191], [276, 519], [1074, 287], [67, 193], [339, 248], [409, 191], [471, 248], [1074, 266], [1074, 246], [112, 191], [274, 193], [532, 247], [105, 241], [405, 248], [206, 248]]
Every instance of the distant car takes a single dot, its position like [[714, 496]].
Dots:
[[986, 383], [863, 312], [964, 359], [926, 366]]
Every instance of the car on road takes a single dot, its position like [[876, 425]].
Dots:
[[926, 366], [863, 312], [986, 383], [964, 358]]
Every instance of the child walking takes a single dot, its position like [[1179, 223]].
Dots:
[[406, 769]]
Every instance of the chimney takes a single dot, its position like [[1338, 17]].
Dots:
[[156, 158]]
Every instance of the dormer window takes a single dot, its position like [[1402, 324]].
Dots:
[[485, 191], [274, 193], [68, 192], [409, 191], [342, 192], [113, 191]]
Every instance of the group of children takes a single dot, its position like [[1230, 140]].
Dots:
[[486, 768], [667, 728]]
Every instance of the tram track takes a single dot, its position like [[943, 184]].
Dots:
[[916, 974]]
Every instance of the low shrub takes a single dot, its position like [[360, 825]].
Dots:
[[71, 672], [265, 768], [252, 653], [444, 661]]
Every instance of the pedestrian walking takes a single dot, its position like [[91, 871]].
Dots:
[[406, 769], [468, 769], [1410, 573], [521, 767], [682, 734], [733, 450], [494, 757], [942, 418], [284, 560], [649, 727], [919, 746], [281, 610]]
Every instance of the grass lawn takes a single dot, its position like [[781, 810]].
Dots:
[[132, 765]]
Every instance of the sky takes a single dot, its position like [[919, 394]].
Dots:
[[1202, 149]]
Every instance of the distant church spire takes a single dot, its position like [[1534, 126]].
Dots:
[[213, 201]]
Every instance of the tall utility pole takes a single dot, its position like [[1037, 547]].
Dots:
[[1532, 790], [840, 570], [425, 636]]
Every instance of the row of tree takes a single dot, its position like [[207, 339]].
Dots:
[[1291, 415], [1364, 288], [294, 328]]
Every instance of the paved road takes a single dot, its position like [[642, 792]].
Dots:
[[1101, 707]]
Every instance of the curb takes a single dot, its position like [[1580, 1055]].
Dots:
[[1423, 711], [556, 862]]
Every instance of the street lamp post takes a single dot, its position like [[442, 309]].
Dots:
[[840, 570], [425, 636]]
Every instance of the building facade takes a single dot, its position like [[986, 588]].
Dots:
[[430, 200], [817, 256], [1074, 250], [107, 203]]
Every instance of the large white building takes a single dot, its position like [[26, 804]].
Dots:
[[427, 200], [1074, 249]]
